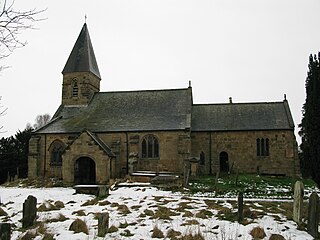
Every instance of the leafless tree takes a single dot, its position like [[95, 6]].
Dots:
[[12, 24], [3, 111], [41, 120]]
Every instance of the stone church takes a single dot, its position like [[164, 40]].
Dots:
[[97, 136]]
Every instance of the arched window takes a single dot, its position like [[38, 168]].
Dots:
[[56, 150], [258, 147], [263, 147], [75, 89], [150, 147]]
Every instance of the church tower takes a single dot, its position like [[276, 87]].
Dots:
[[81, 76]]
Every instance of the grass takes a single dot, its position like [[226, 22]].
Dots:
[[79, 226], [250, 184]]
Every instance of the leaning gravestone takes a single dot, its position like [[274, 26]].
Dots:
[[298, 201], [313, 215], [240, 207], [5, 231], [29, 211], [103, 224]]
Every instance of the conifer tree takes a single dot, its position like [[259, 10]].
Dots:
[[310, 125]]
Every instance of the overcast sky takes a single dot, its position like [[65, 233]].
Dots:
[[250, 50]]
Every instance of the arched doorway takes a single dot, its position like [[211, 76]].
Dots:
[[224, 162], [84, 171]]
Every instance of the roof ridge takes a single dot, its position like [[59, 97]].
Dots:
[[148, 90], [237, 103]]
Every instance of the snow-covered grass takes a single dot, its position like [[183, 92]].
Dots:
[[141, 212]]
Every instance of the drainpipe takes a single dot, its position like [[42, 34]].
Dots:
[[127, 152], [210, 154], [45, 155]]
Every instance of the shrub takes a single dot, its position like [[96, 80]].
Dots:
[[93, 201], [172, 234], [164, 213], [123, 225], [79, 213], [48, 236], [258, 233], [276, 237], [3, 213], [126, 233], [28, 236], [112, 229], [59, 205], [123, 209], [189, 236], [157, 233], [190, 222], [59, 218], [204, 214], [79, 226]]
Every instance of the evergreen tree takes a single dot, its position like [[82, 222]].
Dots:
[[14, 154], [310, 125]]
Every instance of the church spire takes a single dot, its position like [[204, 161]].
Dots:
[[82, 58]]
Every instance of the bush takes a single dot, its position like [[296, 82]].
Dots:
[[3, 213], [258, 233], [276, 237], [157, 233], [79, 226]]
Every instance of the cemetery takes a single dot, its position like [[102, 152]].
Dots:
[[226, 208]]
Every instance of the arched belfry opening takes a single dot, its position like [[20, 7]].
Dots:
[[224, 162], [84, 171]]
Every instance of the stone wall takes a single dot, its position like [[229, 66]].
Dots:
[[242, 151], [85, 146], [87, 83], [174, 148]]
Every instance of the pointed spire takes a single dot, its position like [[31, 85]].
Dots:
[[82, 58]]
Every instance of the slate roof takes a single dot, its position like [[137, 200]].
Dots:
[[82, 58], [242, 116], [126, 111]]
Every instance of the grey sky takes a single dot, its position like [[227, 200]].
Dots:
[[251, 50]]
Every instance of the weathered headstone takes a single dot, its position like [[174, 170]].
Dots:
[[240, 206], [297, 201], [103, 224], [29, 211], [5, 231], [103, 191], [313, 215]]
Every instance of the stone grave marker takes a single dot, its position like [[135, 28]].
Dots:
[[240, 207], [298, 201], [313, 215], [103, 224], [29, 211], [5, 231]]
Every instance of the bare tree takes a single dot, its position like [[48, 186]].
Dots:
[[3, 111], [12, 24], [41, 120]]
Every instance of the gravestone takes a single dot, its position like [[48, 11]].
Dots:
[[103, 191], [103, 224], [29, 211], [240, 207], [297, 201], [313, 215], [5, 231]]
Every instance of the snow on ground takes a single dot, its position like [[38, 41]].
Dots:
[[137, 222]]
